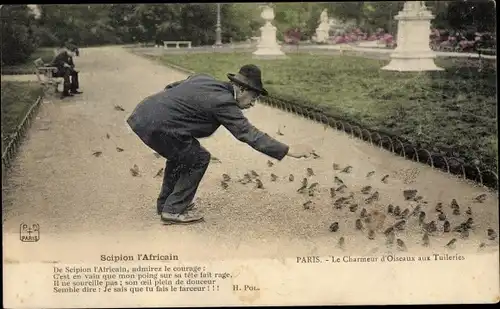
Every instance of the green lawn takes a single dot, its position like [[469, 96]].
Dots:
[[17, 98], [28, 67], [454, 109]]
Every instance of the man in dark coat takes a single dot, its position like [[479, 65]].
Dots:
[[171, 121], [63, 61]]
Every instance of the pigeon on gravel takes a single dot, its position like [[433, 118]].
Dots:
[[310, 172], [469, 211], [409, 194], [363, 213], [279, 132], [97, 153], [384, 179], [338, 181], [430, 227], [224, 185], [254, 173], [390, 237], [451, 243], [269, 163], [332, 192], [134, 170], [480, 198], [397, 211], [334, 227], [370, 174], [439, 207], [418, 198], [401, 245], [456, 212], [358, 224], [373, 197], [246, 179], [119, 108], [454, 204], [425, 240], [274, 177], [400, 225], [371, 235], [347, 169], [315, 155], [259, 183], [159, 173], [108, 136], [366, 189], [416, 210], [119, 149], [307, 205], [303, 187], [341, 243], [446, 226], [353, 207], [405, 214], [492, 235], [390, 209], [291, 178], [226, 177], [442, 216], [335, 166], [341, 188], [421, 217]]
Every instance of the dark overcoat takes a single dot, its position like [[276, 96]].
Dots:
[[196, 108]]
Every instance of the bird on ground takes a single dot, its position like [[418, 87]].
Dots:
[[134, 170], [279, 132], [310, 172], [338, 181], [341, 188], [159, 173], [454, 204], [409, 194], [439, 207], [363, 213], [341, 243], [334, 227], [332, 192], [397, 211], [400, 225], [347, 169], [119, 149], [226, 177], [359, 224], [480, 198], [107, 135], [492, 235], [371, 234], [385, 178], [303, 187], [425, 240], [366, 189], [259, 183], [370, 174], [307, 205], [119, 108], [291, 178], [353, 207], [469, 211], [315, 155], [274, 177], [390, 209], [456, 212], [254, 173], [442, 216], [335, 166], [401, 245], [446, 227], [269, 163], [97, 154], [390, 237], [373, 197], [421, 217], [215, 159], [430, 227], [224, 185], [451, 243]]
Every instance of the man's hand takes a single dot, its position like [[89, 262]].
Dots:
[[300, 151], [67, 65]]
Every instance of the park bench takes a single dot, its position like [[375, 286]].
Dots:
[[45, 74], [176, 43]]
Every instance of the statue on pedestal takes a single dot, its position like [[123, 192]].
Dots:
[[322, 32]]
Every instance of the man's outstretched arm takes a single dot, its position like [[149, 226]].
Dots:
[[231, 117]]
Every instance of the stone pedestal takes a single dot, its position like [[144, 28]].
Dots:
[[413, 52], [322, 32], [268, 47]]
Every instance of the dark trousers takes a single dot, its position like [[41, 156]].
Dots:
[[186, 164], [70, 77]]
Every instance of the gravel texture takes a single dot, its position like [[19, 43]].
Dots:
[[78, 198]]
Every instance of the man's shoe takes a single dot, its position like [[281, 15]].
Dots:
[[184, 218], [76, 92], [189, 208], [64, 95]]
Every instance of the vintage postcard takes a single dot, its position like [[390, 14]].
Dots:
[[169, 155]]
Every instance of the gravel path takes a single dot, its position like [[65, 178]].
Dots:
[[94, 202]]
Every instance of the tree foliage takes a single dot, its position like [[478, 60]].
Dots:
[[99, 24]]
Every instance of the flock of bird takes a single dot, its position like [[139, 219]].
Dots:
[[369, 220], [373, 220]]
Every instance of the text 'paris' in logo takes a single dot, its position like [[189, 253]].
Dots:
[[30, 233]]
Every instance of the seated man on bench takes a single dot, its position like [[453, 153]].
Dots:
[[63, 61]]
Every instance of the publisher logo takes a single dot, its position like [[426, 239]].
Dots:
[[29, 233]]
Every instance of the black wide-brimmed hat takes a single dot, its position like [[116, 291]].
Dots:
[[249, 76]]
